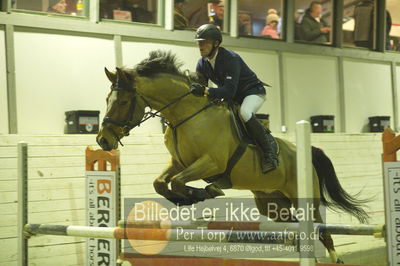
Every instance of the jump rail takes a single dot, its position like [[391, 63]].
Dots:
[[376, 230], [177, 234]]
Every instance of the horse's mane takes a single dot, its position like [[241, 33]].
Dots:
[[163, 62], [159, 62]]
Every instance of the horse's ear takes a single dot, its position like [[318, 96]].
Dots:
[[121, 76], [111, 76]]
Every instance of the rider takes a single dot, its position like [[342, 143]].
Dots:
[[235, 81]]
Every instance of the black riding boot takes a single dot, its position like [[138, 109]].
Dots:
[[262, 136]]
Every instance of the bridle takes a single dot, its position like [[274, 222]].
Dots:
[[128, 124]]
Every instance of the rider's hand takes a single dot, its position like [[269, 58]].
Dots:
[[197, 89]]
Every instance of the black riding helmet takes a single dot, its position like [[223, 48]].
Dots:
[[208, 32]]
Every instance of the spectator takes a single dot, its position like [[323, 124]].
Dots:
[[218, 18], [363, 24], [313, 27], [200, 16], [245, 24], [180, 20], [57, 6], [272, 20], [298, 18]]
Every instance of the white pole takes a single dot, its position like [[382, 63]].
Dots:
[[22, 202], [160, 12], [233, 5], [169, 15], [94, 10], [305, 191]]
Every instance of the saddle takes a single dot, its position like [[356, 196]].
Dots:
[[223, 180], [241, 131]]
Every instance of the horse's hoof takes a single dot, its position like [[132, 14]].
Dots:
[[182, 201], [339, 261], [178, 187]]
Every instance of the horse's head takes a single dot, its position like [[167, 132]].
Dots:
[[125, 109]]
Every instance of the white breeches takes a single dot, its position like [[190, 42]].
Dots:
[[251, 104]]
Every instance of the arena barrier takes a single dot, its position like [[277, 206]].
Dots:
[[391, 181], [161, 232]]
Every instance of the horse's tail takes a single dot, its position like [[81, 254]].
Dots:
[[332, 193]]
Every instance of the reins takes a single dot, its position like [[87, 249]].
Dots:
[[151, 114], [128, 125]]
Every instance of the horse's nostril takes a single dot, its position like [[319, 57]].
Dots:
[[103, 142]]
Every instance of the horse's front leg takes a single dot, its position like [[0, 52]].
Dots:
[[161, 183], [202, 168]]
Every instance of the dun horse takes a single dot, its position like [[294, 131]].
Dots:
[[202, 141]]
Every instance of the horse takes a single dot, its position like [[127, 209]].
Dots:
[[201, 141]]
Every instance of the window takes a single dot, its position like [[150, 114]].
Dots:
[[393, 25], [260, 18], [359, 23], [3, 5], [313, 21], [64, 7], [144, 11], [194, 13]]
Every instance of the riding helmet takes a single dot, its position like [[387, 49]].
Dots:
[[208, 32]]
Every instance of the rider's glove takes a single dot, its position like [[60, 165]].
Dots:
[[197, 89]]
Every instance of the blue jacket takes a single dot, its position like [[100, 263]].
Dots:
[[234, 78]]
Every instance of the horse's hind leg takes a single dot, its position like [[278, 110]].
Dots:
[[264, 199], [326, 239], [276, 200]]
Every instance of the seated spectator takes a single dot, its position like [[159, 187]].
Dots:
[[272, 19], [218, 18], [245, 24], [180, 20], [57, 6], [313, 27], [200, 15], [298, 18]]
